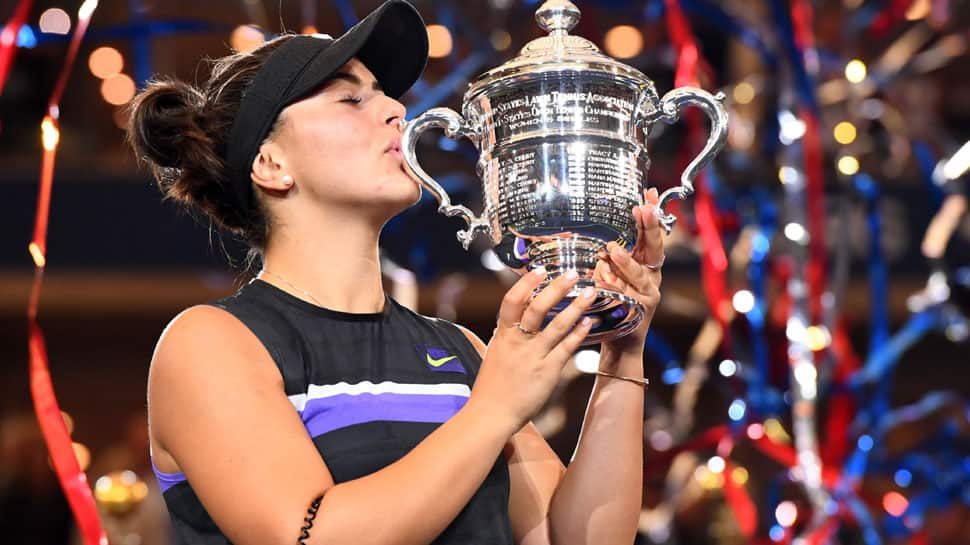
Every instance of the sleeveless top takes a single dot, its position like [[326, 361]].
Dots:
[[369, 388]]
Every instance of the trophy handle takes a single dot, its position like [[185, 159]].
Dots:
[[455, 127], [670, 106]]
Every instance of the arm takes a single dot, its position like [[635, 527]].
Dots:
[[219, 410], [551, 504], [598, 498]]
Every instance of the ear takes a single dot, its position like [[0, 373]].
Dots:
[[269, 168]]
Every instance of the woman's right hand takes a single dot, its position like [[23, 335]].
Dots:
[[521, 369]]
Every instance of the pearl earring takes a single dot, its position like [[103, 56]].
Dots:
[[287, 180]]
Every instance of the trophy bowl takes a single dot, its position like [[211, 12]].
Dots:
[[562, 135]]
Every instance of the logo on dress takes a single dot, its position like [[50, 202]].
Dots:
[[440, 360]]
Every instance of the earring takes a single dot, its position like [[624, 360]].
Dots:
[[287, 180]]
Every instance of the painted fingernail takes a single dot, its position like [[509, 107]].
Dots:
[[589, 292], [571, 275], [539, 271]]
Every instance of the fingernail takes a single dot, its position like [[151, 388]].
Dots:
[[618, 253], [589, 292], [585, 321], [653, 191], [571, 275], [539, 271]]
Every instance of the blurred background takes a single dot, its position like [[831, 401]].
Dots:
[[809, 363]]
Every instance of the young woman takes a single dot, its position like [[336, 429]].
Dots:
[[310, 406]]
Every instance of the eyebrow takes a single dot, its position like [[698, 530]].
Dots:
[[353, 79]]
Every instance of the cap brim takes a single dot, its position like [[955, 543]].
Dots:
[[392, 42]]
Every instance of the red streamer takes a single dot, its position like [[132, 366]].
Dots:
[[8, 39], [714, 260], [72, 478]]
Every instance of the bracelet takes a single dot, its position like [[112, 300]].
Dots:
[[639, 381], [308, 520]]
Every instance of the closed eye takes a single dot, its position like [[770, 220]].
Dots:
[[352, 99]]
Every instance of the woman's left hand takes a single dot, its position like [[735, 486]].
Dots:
[[636, 273]]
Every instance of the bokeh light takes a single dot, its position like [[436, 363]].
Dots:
[[848, 165], [49, 133], [501, 40], [106, 62], [623, 41], [756, 431], [54, 21], [786, 513], [895, 503], [737, 409], [716, 464], [439, 41], [743, 301], [743, 93], [844, 132], [739, 475], [245, 38], [83, 455], [855, 71], [118, 90], [587, 361]]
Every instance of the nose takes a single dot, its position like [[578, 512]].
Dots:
[[395, 113]]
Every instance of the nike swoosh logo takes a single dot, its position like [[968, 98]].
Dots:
[[440, 361]]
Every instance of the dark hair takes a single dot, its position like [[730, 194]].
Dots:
[[180, 131]]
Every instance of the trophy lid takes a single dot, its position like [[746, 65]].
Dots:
[[558, 51]]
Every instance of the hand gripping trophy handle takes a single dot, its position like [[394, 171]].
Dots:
[[455, 127], [670, 106]]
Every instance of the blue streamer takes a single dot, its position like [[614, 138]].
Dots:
[[660, 349], [716, 16], [346, 12], [878, 272], [926, 160], [444, 88], [140, 45], [804, 84]]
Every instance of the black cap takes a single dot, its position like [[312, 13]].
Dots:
[[391, 42]]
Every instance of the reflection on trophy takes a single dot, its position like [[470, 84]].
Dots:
[[562, 134]]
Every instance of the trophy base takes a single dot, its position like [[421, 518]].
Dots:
[[614, 314]]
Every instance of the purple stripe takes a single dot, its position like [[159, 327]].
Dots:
[[331, 413], [167, 480]]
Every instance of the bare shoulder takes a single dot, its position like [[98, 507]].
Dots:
[[204, 341], [203, 352], [476, 341]]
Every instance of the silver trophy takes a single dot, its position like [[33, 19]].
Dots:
[[562, 132]]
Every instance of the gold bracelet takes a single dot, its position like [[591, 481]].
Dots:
[[640, 381]]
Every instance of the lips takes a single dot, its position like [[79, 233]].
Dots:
[[394, 148]]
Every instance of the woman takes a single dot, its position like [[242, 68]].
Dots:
[[406, 429]]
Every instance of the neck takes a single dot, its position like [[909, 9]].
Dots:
[[335, 261]]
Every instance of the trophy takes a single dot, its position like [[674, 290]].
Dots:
[[562, 135]]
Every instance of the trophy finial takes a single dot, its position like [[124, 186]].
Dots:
[[558, 16]]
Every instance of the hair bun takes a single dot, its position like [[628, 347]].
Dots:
[[164, 123]]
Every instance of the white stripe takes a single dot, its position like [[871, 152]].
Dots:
[[320, 391]]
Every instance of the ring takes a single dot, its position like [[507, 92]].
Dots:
[[658, 265], [524, 330]]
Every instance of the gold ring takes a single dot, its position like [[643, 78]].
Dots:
[[524, 330]]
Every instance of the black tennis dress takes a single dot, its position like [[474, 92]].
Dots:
[[369, 388]]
